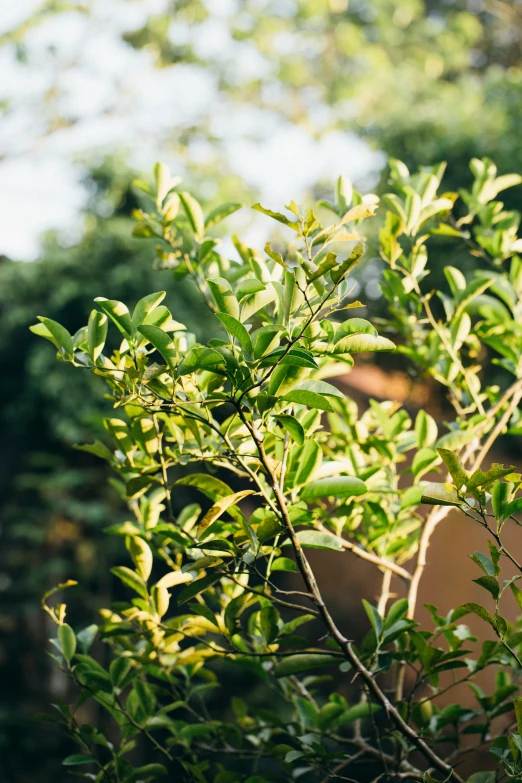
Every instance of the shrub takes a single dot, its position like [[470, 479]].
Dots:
[[276, 462]]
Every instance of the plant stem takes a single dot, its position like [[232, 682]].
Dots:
[[309, 578], [370, 557]]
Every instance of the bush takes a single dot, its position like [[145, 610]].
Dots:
[[237, 458]]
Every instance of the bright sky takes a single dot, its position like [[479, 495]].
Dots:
[[115, 98]]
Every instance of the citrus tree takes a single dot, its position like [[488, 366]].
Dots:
[[237, 459]]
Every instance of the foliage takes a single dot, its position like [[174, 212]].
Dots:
[[55, 501], [280, 462], [424, 82]]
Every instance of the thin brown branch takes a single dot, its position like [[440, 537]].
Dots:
[[370, 557], [346, 646]]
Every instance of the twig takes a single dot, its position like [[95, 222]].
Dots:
[[368, 678], [386, 565]]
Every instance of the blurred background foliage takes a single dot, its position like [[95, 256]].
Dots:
[[274, 94]]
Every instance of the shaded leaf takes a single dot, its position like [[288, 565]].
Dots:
[[303, 662], [237, 330], [197, 587], [292, 426], [220, 507], [439, 494], [76, 760], [220, 213], [130, 579]]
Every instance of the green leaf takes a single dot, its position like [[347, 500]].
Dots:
[[277, 257], [517, 592], [200, 358], [224, 296], [490, 584], [253, 303], [197, 587], [220, 213], [337, 487], [268, 618], [174, 578], [517, 702], [481, 480], [326, 264], [354, 326], [297, 357], [310, 456], [482, 777], [237, 330], [220, 507], [396, 612], [145, 695], [360, 343], [67, 641], [303, 662], [56, 333], [455, 467], [163, 179], [500, 494], [96, 334], [97, 448], [162, 342], [76, 760], [317, 540], [145, 306], [308, 398], [285, 378], [328, 714], [343, 194], [374, 618], [358, 711], [247, 287], [353, 259], [439, 494], [312, 394], [277, 216], [426, 430], [268, 528], [86, 637], [118, 313], [423, 461], [514, 507], [194, 213], [320, 387], [485, 563], [118, 670], [213, 488], [136, 487], [284, 564], [455, 439], [151, 769], [292, 426], [130, 579], [480, 611], [412, 496], [264, 339], [141, 554]]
